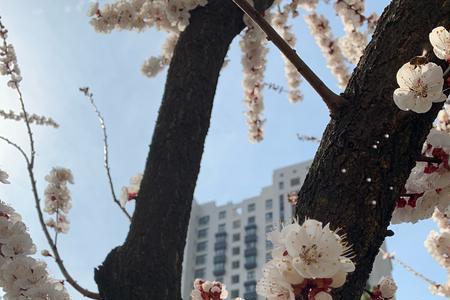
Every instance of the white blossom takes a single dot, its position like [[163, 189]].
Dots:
[[131, 192], [387, 287], [304, 256], [57, 198], [420, 86], [21, 276], [440, 39]]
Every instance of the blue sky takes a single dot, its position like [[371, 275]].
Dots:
[[58, 52]]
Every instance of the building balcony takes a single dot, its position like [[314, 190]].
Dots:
[[251, 238], [250, 283], [250, 252], [250, 226], [250, 265], [220, 259], [220, 234], [250, 296], [219, 272], [220, 245]]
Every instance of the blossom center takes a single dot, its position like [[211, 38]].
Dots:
[[420, 89], [310, 255]]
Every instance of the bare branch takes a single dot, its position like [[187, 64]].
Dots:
[[308, 138], [333, 101], [17, 147], [89, 95]]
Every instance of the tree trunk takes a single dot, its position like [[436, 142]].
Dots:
[[369, 149], [148, 265]]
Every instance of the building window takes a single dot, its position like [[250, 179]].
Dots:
[[199, 273], [201, 246], [202, 233], [235, 264], [234, 293], [236, 237], [235, 279], [251, 220], [236, 250], [295, 181], [203, 220], [269, 204], [250, 275], [269, 217], [236, 224], [221, 227], [281, 185], [269, 245], [251, 207], [269, 228], [222, 214], [200, 259], [268, 256]]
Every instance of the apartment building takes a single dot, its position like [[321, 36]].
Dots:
[[228, 242]]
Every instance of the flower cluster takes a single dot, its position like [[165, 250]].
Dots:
[[438, 245], [131, 192], [428, 185], [421, 83], [355, 41], [308, 260], [279, 21], [154, 65], [254, 49], [169, 15], [208, 290], [57, 198], [320, 28], [8, 60], [32, 119], [21, 276], [4, 177]]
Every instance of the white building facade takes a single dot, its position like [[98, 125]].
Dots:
[[228, 242]]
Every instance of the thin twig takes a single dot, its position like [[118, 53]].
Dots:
[[447, 72], [332, 100], [428, 159], [17, 147], [308, 138], [408, 268], [89, 95]]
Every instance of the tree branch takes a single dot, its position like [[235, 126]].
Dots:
[[89, 95], [372, 174], [334, 102]]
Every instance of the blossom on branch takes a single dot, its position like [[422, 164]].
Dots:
[[21, 276], [420, 87], [57, 198], [440, 39], [308, 260], [208, 290], [131, 192]]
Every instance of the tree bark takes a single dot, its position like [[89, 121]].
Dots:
[[369, 149], [148, 265]]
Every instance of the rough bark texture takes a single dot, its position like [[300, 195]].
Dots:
[[148, 265], [372, 139]]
